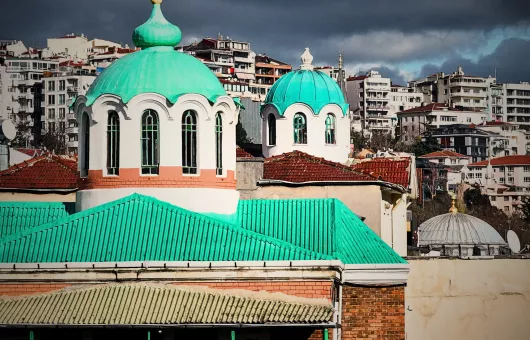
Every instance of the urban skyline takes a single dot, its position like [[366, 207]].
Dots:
[[483, 38]]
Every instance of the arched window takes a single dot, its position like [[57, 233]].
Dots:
[[272, 129], [113, 143], [330, 129], [300, 129], [219, 144], [86, 145], [150, 143], [189, 142]]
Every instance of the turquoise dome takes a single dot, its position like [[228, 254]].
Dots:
[[306, 86], [157, 68]]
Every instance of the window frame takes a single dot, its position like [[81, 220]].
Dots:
[[300, 129], [330, 135], [150, 130], [189, 143], [113, 143], [219, 144], [86, 144], [271, 123]]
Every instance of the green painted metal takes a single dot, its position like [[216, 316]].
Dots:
[[325, 334], [148, 335], [313, 88], [233, 335], [157, 68], [324, 226], [31, 335], [157, 31], [19, 216], [141, 228]]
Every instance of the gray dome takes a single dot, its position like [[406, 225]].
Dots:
[[457, 229]]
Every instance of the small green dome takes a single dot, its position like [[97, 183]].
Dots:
[[157, 68], [307, 86]]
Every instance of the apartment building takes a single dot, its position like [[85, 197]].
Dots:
[[59, 90], [506, 180], [102, 59], [511, 139], [413, 123], [77, 47], [268, 71], [517, 104], [332, 71], [12, 48], [21, 93], [453, 162], [404, 98], [369, 99]]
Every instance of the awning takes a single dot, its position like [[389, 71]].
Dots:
[[249, 76], [157, 304]]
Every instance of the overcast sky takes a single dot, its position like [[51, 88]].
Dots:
[[404, 39]]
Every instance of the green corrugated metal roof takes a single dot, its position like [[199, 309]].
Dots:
[[18, 216], [325, 226], [141, 228], [141, 304]]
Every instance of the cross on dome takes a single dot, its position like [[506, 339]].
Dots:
[[307, 60]]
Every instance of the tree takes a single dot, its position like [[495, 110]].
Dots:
[[23, 137], [241, 134], [54, 142], [525, 209], [425, 145], [358, 140]]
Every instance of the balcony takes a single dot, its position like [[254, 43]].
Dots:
[[461, 82], [72, 130], [381, 98], [378, 89], [378, 108], [71, 116], [72, 144], [470, 94], [244, 60], [72, 88]]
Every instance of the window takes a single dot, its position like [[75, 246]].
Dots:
[[330, 129], [502, 180], [479, 176], [506, 198], [113, 143], [86, 151], [272, 129], [510, 169], [501, 169], [51, 113], [506, 209], [62, 113], [189, 142], [493, 198], [61, 99], [51, 86], [527, 179], [150, 143], [51, 100], [526, 169], [219, 144], [510, 179], [51, 127], [300, 129], [62, 85]]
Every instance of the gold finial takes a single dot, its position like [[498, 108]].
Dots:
[[453, 209], [156, 2]]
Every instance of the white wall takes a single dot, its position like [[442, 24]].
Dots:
[[468, 299], [316, 127]]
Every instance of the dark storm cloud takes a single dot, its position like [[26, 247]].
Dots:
[[280, 28], [510, 60]]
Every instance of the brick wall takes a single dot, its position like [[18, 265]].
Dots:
[[169, 177], [15, 289], [373, 313], [308, 289]]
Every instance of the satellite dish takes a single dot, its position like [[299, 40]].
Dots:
[[513, 242], [7, 130]]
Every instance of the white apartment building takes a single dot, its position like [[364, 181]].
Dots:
[[331, 71], [414, 122], [511, 139], [77, 47], [21, 92], [454, 162], [59, 91], [506, 180], [12, 48], [369, 97], [404, 98], [516, 104]]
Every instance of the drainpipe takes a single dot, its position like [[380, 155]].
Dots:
[[232, 335], [325, 335]]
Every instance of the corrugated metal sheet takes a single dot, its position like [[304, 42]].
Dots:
[[457, 229], [140, 228], [250, 119], [325, 226], [16, 217], [140, 304]]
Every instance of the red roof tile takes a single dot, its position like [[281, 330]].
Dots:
[[43, 172], [390, 170], [443, 153], [427, 108], [300, 167], [507, 160], [242, 153]]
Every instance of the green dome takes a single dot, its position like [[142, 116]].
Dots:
[[157, 68], [306, 86]]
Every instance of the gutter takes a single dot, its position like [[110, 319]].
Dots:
[[165, 326], [272, 182], [22, 190]]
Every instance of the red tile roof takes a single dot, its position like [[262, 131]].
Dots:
[[43, 172], [443, 153], [242, 153], [507, 160], [300, 167], [496, 123], [390, 170], [427, 108]]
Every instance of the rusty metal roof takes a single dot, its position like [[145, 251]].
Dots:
[[156, 304]]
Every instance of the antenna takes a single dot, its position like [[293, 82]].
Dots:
[[513, 242]]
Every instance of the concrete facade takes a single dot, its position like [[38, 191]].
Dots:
[[468, 299]]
